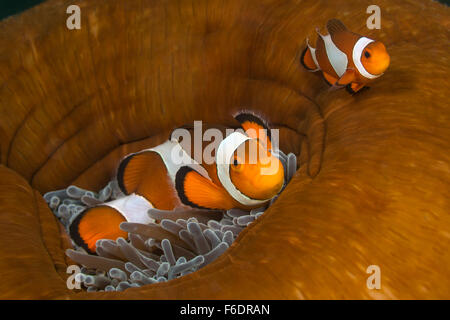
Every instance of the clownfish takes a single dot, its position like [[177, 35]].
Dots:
[[151, 178], [346, 58]]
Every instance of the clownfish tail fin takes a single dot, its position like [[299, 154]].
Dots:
[[131, 170], [334, 26], [308, 58], [96, 223]]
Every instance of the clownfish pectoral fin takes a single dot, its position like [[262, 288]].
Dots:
[[335, 26], [255, 127], [198, 192], [348, 77], [330, 80], [355, 87], [96, 223]]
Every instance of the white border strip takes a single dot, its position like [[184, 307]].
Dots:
[[224, 153], [357, 53]]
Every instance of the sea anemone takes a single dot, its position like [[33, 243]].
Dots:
[[181, 242]]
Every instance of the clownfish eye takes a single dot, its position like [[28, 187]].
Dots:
[[367, 54], [236, 165]]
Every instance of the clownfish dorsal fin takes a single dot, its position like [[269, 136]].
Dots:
[[335, 26], [255, 127], [199, 192], [348, 77]]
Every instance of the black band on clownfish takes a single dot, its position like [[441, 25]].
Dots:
[[121, 172], [75, 233]]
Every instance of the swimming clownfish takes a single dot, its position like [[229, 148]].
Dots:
[[152, 179], [346, 58]]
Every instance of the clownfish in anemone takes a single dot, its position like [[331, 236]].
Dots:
[[345, 58], [152, 178]]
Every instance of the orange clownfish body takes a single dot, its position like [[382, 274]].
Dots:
[[243, 174], [346, 58]]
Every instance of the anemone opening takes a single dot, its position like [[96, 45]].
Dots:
[[178, 243]]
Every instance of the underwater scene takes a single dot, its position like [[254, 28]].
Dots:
[[224, 150]]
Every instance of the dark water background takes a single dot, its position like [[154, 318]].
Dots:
[[10, 7]]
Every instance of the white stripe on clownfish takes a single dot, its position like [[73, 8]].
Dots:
[[225, 151], [336, 57], [174, 157], [133, 208], [356, 55], [313, 55]]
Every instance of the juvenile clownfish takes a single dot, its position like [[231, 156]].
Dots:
[[346, 58], [152, 179]]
